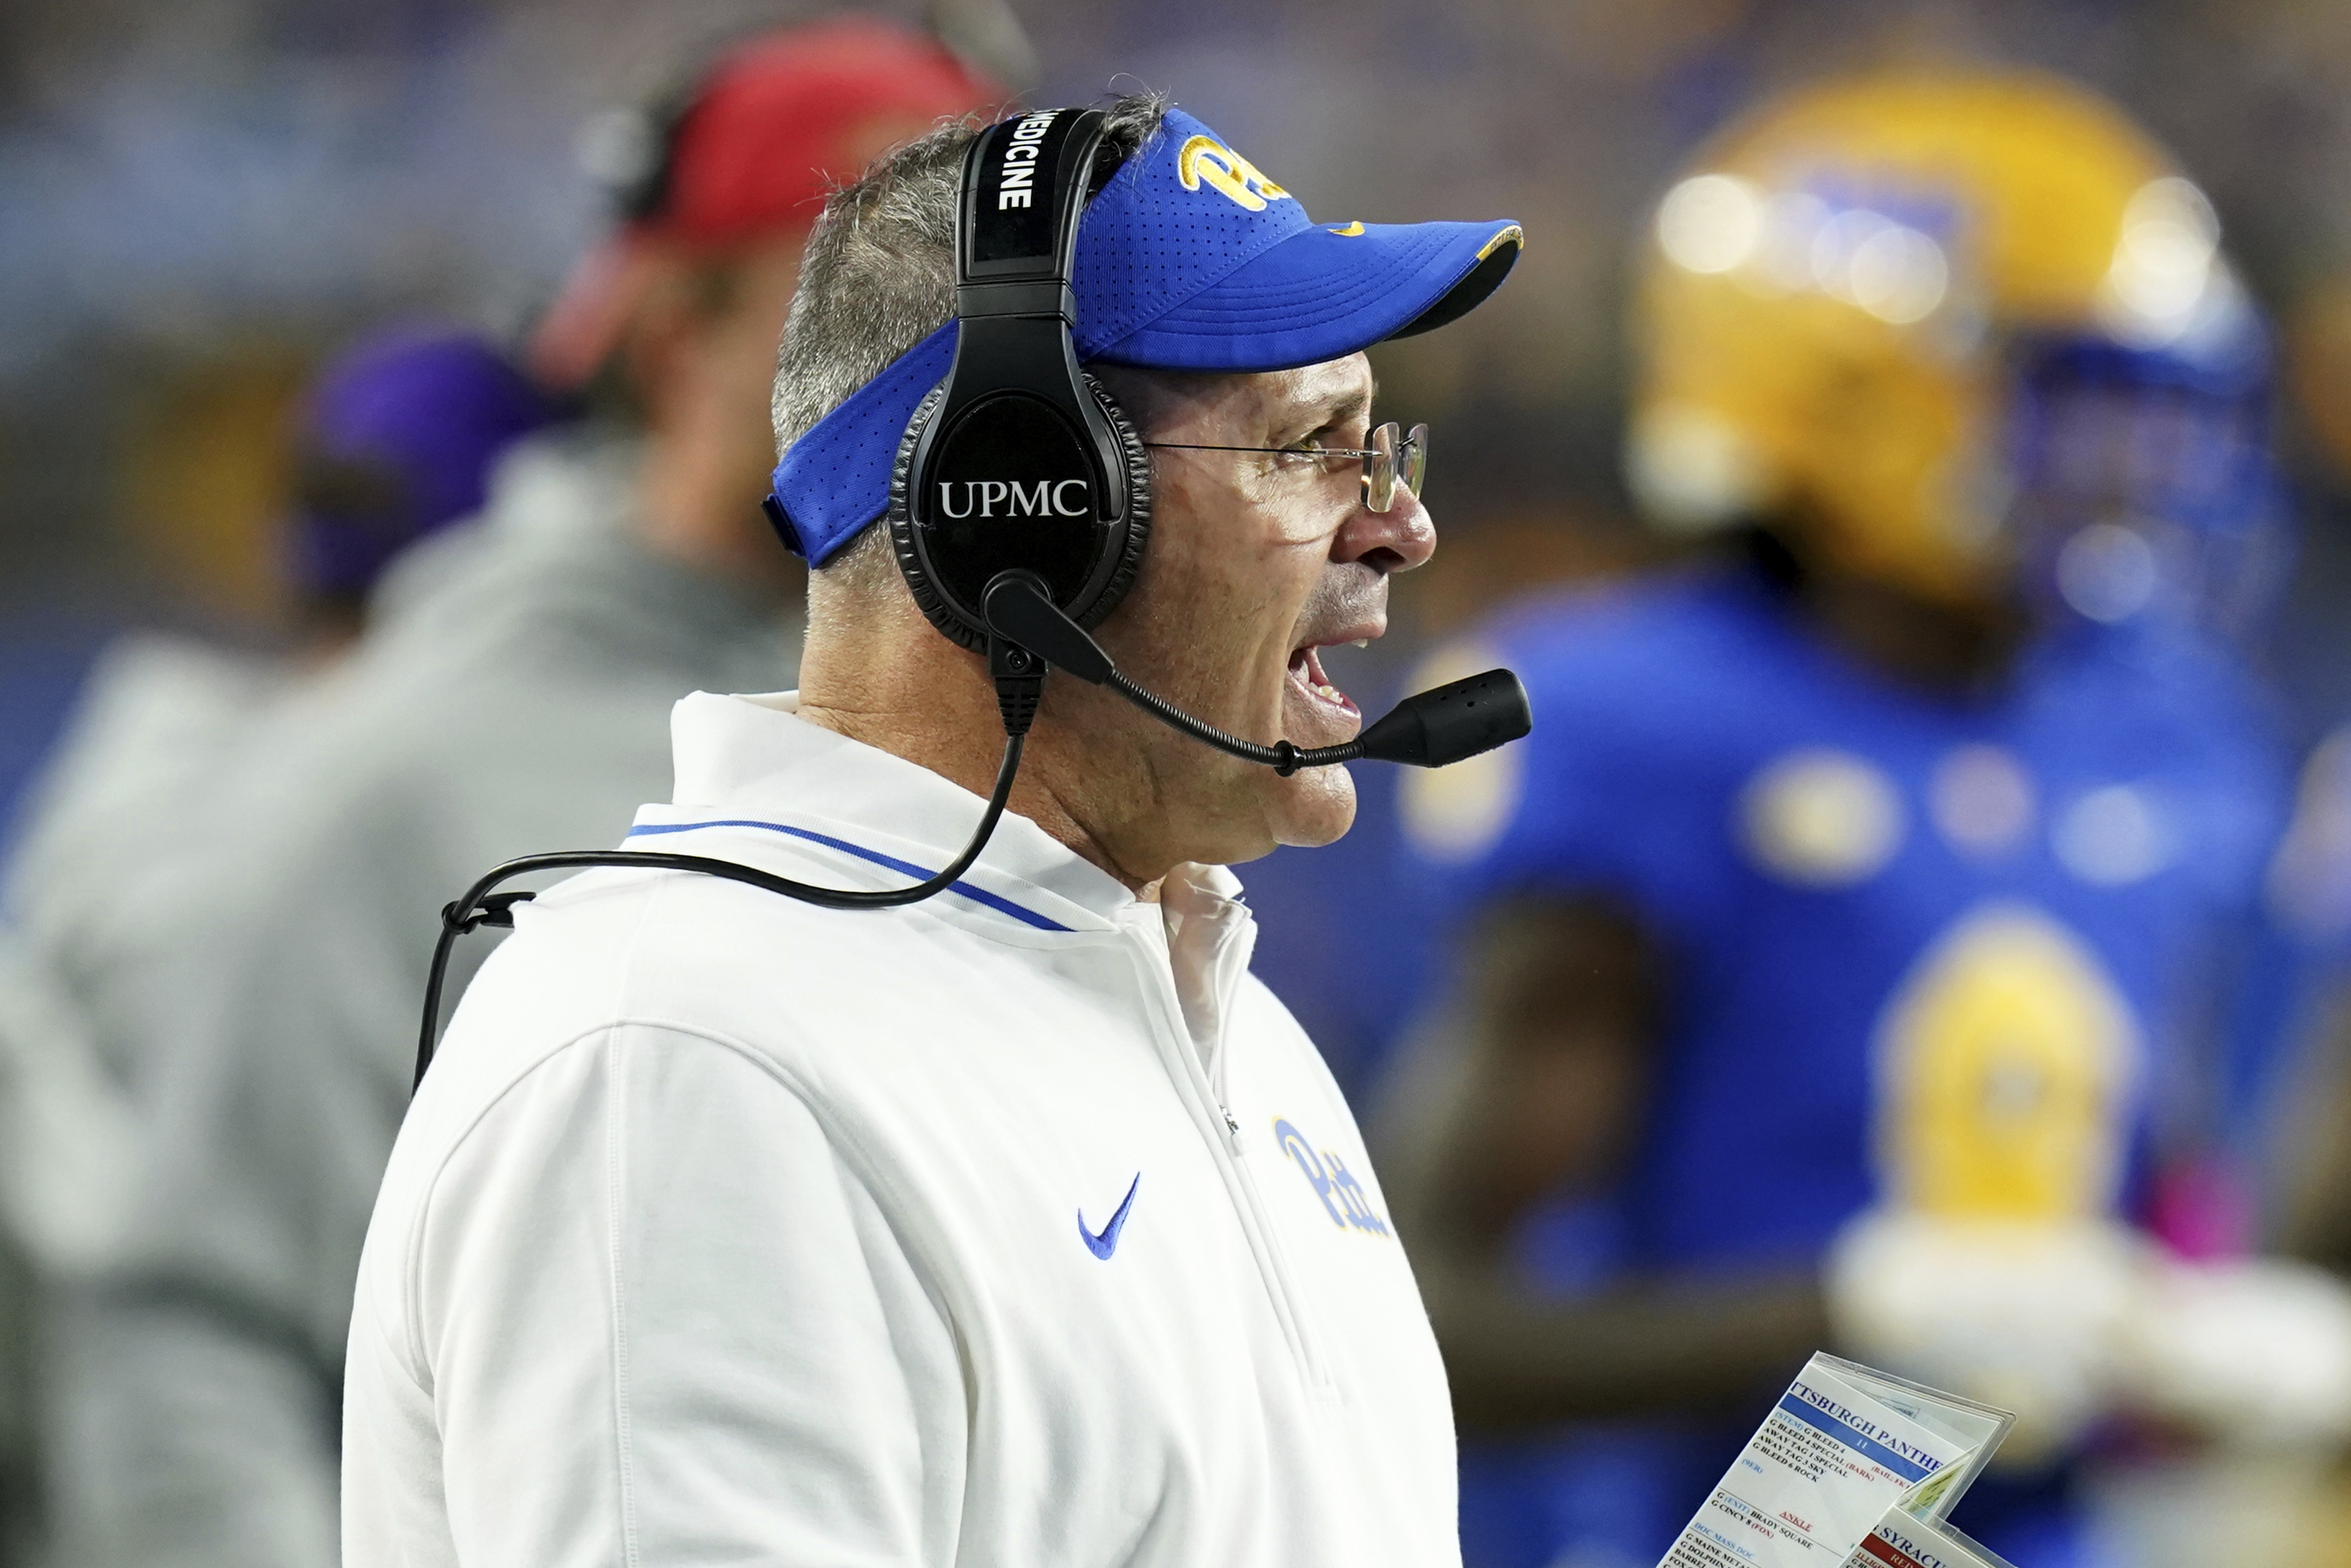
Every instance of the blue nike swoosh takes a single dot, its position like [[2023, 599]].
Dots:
[[1106, 1244]]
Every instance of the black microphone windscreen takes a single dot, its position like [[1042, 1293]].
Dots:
[[1449, 723]]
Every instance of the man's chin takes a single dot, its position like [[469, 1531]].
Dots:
[[1313, 807]]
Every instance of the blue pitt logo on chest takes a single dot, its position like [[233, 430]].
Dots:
[[1342, 1196]]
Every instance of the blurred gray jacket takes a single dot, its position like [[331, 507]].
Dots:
[[110, 857], [516, 697], [102, 853]]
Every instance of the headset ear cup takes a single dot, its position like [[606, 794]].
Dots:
[[928, 598], [1136, 533], [1131, 536]]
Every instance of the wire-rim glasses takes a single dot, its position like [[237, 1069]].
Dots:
[[1394, 458]]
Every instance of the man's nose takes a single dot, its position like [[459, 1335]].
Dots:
[[1395, 540]]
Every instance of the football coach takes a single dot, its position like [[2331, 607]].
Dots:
[[1020, 1226]]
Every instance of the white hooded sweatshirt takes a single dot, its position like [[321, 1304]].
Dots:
[[1018, 1227]]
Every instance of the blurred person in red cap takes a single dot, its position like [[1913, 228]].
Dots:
[[514, 692], [715, 196]]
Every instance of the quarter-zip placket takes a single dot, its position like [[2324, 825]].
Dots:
[[1203, 1097]]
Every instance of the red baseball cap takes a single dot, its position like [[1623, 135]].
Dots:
[[763, 139]]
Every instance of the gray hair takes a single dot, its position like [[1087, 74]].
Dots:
[[878, 277]]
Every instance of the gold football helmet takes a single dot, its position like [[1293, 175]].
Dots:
[[1829, 301]]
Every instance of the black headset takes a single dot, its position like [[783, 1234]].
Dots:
[[1019, 508], [1019, 461]]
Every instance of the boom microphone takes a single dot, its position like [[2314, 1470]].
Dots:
[[1429, 729]]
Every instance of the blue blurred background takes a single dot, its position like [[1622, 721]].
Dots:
[[201, 200]]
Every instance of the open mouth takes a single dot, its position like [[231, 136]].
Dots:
[[1307, 675]]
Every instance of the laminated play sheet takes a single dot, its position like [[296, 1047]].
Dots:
[[1842, 1447], [1903, 1539]]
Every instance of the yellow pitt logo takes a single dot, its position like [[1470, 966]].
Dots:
[[1206, 160]]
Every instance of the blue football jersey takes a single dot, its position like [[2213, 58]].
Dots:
[[1955, 953]]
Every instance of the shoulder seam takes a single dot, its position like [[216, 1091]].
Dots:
[[615, 1173]]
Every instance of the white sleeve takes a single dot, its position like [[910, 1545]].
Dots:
[[653, 1318]]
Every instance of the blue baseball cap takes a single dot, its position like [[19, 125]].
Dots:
[[1189, 259]]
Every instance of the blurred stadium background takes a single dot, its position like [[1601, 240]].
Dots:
[[196, 199], [200, 199]]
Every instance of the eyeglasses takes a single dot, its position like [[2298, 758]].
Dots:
[[1393, 459]]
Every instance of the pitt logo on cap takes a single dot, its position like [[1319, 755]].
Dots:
[[1204, 158]]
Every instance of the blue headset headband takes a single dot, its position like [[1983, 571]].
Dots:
[[1190, 260]]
